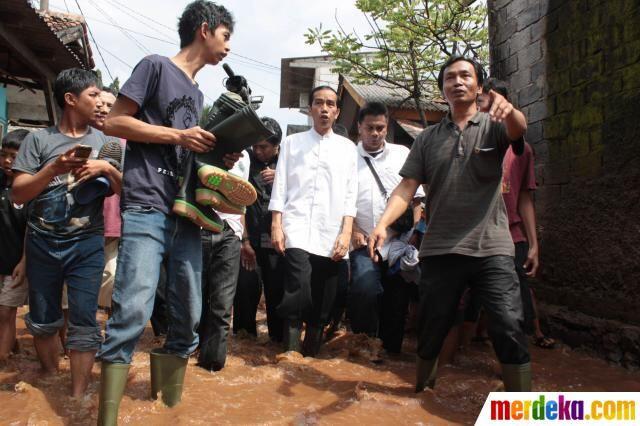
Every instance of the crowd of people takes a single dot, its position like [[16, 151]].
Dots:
[[339, 233]]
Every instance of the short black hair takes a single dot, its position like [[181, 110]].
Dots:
[[198, 12], [273, 125], [323, 87], [111, 90], [14, 138], [74, 80], [496, 85], [477, 66], [373, 108]]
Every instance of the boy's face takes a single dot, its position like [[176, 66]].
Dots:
[[7, 157], [86, 103], [217, 43]]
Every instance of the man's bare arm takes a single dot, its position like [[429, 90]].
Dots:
[[121, 122]]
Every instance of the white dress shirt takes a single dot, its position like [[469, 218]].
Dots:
[[240, 169], [316, 185], [371, 203]]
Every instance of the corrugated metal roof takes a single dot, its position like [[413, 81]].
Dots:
[[395, 97], [411, 127]]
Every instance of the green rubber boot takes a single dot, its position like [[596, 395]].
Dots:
[[516, 377], [167, 376], [426, 370], [113, 379]]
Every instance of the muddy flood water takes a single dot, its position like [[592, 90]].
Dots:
[[261, 386]]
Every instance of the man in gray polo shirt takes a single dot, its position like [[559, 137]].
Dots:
[[467, 242]]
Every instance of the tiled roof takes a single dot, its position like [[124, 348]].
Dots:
[[395, 97], [60, 24]]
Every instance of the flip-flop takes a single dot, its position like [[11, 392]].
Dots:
[[544, 342]]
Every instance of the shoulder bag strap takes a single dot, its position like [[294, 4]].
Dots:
[[376, 177]]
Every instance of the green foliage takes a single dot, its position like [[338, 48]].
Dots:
[[206, 111], [407, 42], [115, 85]]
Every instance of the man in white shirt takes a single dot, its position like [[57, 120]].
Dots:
[[220, 268], [313, 203], [378, 300]]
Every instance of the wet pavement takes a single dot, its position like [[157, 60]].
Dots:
[[347, 385]]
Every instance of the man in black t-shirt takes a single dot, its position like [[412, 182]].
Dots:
[[157, 111], [259, 261]]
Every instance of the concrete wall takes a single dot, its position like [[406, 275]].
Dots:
[[573, 67]]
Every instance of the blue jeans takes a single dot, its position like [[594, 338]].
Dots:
[[148, 238], [51, 262], [377, 302]]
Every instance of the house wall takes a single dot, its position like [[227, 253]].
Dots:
[[573, 68]]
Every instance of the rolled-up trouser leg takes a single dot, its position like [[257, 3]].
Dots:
[[45, 274], [83, 274], [495, 283], [442, 283]]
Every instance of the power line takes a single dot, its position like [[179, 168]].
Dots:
[[144, 16], [122, 27], [126, 34], [94, 42]]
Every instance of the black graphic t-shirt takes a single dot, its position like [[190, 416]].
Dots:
[[166, 97]]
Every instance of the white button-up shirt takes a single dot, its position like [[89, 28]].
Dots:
[[241, 169], [371, 203], [315, 186]]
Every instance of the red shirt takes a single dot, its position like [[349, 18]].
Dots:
[[518, 174]]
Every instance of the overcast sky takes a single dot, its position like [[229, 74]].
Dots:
[[266, 31]]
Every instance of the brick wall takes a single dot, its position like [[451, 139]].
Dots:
[[573, 68]]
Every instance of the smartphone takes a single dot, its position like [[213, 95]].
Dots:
[[83, 151]]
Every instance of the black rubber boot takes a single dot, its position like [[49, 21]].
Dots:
[[167, 376], [292, 333], [312, 340], [185, 204], [516, 377], [426, 370], [113, 380]]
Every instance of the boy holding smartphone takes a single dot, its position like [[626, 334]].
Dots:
[[64, 241]]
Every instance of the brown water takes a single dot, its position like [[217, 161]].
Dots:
[[261, 386]]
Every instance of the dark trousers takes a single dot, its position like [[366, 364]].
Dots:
[[342, 293], [522, 249], [493, 281], [378, 302], [221, 262], [472, 305], [270, 275], [309, 287]]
